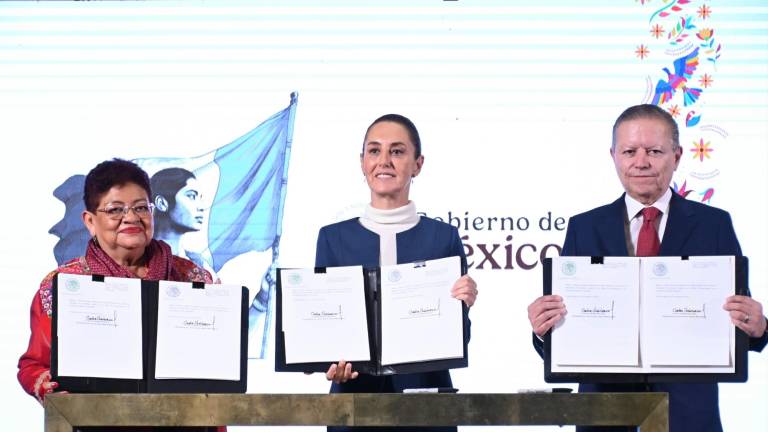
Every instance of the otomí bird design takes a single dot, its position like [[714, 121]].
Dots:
[[692, 119], [685, 66], [706, 196], [682, 190]]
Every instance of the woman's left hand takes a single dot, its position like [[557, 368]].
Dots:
[[465, 289]]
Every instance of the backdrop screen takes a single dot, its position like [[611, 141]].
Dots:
[[266, 104]]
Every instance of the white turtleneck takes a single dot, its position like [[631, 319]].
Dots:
[[387, 223]]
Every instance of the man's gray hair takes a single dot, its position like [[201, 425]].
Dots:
[[647, 111]]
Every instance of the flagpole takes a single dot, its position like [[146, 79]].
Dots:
[[279, 229]]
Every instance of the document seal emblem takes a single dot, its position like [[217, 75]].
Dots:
[[568, 268], [72, 285], [172, 291], [394, 276], [294, 279], [660, 269]]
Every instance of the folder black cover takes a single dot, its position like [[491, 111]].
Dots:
[[741, 348], [372, 278], [148, 384]]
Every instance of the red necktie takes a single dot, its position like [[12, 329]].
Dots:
[[648, 240]]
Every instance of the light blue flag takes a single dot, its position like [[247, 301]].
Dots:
[[253, 171]]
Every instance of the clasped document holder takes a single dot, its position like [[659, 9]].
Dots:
[[605, 375], [373, 309], [148, 383]]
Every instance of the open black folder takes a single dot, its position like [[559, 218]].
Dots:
[[372, 292], [148, 383], [741, 346]]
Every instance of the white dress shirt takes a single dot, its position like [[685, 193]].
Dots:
[[635, 216]]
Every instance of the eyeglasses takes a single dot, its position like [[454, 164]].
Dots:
[[119, 212]]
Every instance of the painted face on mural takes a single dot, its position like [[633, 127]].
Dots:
[[645, 159], [131, 232], [189, 211], [389, 163]]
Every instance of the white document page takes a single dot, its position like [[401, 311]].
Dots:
[[99, 327], [601, 326], [420, 321], [323, 315], [198, 331], [684, 322]]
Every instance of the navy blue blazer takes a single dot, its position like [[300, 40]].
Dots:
[[692, 229], [349, 243]]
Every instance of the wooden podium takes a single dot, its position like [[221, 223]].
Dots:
[[649, 411]]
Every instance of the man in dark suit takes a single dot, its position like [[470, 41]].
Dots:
[[649, 219]]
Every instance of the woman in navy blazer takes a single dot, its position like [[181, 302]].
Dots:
[[391, 232]]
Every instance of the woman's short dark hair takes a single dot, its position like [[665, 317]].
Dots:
[[403, 121], [167, 182], [111, 173]]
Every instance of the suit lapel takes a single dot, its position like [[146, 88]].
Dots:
[[611, 229], [361, 246], [680, 223]]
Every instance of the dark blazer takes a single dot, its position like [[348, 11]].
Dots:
[[692, 229], [349, 243]]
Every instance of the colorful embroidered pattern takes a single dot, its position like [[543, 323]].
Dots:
[[693, 51]]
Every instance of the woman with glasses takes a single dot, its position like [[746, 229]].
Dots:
[[118, 215]]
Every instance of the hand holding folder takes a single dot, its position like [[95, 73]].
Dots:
[[140, 336], [649, 319], [395, 319]]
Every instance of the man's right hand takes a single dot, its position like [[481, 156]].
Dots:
[[545, 312]]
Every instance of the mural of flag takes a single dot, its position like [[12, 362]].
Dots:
[[246, 215], [247, 210], [247, 179]]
